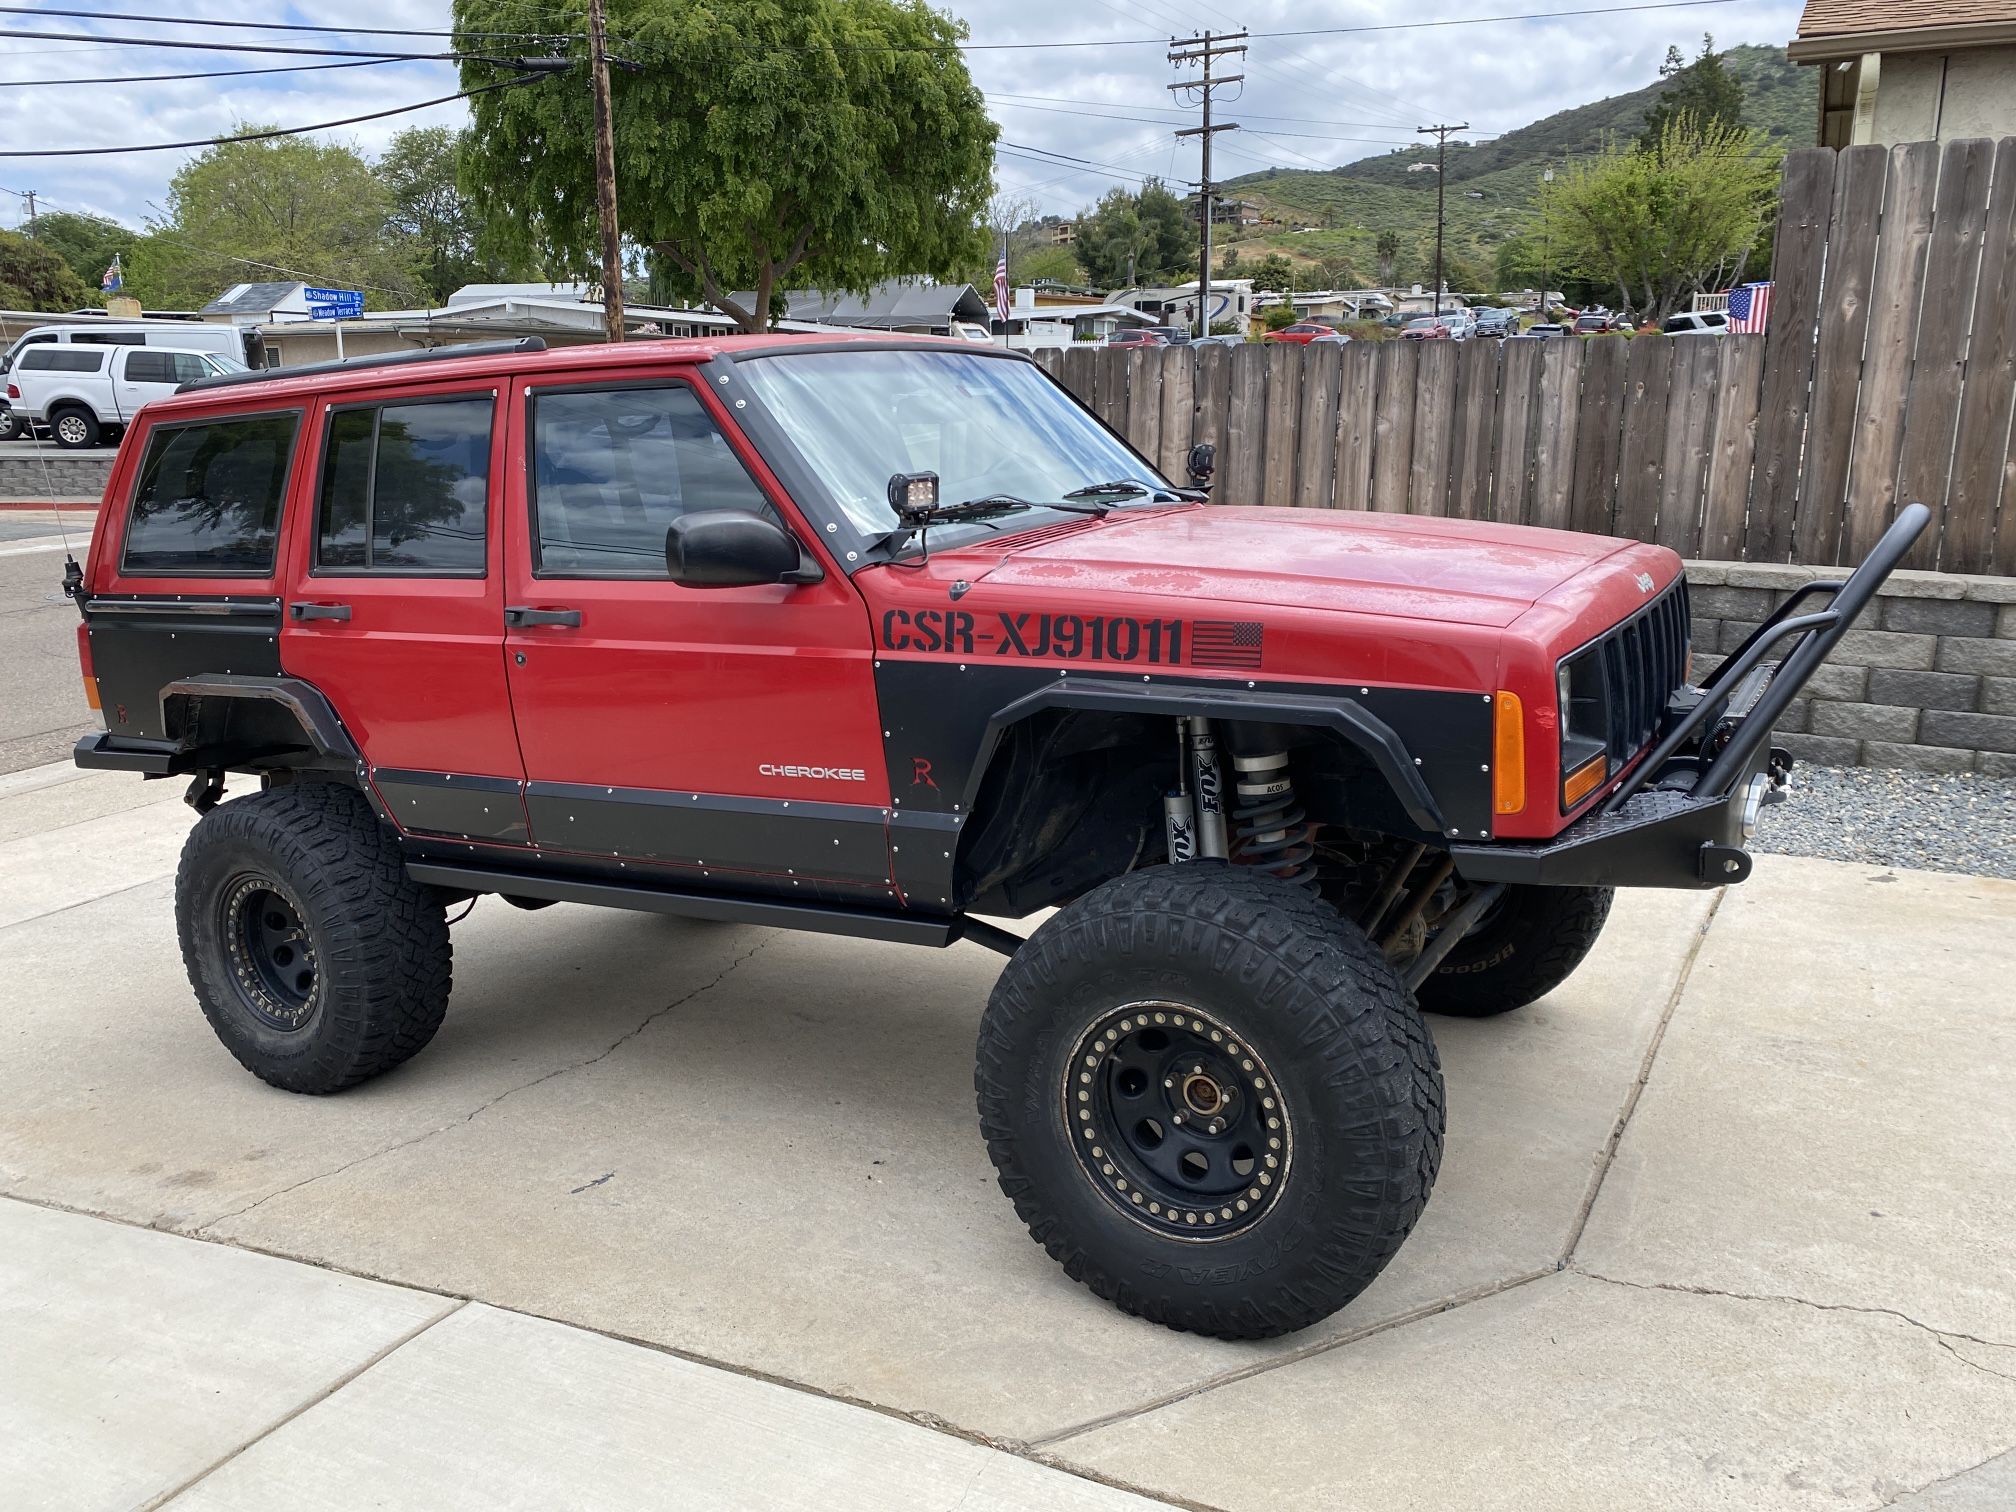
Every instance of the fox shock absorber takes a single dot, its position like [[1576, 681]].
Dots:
[[1270, 831], [1210, 788]]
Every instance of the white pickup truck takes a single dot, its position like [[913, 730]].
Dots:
[[85, 394]]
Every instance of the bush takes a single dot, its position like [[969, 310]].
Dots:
[[1368, 330], [1279, 315]]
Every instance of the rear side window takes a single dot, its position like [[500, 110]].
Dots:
[[209, 498], [406, 488], [143, 366], [612, 469], [62, 359]]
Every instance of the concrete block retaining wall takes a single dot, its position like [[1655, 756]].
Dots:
[[45, 473], [1925, 682]]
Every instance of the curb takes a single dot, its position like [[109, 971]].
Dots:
[[66, 504]]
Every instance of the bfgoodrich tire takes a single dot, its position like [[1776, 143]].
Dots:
[[317, 960], [1210, 1100], [1526, 947]]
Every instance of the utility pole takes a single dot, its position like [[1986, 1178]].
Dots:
[[1204, 49], [29, 195], [1546, 240], [1441, 135], [605, 173]]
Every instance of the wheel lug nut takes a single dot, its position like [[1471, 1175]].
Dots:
[[1168, 1081], [1177, 1119], [1216, 1126]]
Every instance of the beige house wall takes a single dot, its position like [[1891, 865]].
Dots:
[[1924, 97]]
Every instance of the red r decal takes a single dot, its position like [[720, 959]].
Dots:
[[920, 773]]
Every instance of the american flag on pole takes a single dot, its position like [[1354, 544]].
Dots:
[[1001, 285], [1749, 307]]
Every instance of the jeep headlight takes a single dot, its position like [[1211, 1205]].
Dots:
[[1584, 725]]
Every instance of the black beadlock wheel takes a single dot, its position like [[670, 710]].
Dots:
[[317, 960], [1210, 1099], [1522, 949]]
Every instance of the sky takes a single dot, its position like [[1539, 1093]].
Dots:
[[1075, 120]]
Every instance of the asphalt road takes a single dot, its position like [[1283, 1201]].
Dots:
[[42, 708]]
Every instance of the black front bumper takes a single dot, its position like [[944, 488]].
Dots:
[[1684, 814]]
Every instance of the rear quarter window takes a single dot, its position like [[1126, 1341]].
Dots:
[[62, 359], [209, 497]]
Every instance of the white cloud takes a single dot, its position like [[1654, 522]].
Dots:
[[1382, 84]]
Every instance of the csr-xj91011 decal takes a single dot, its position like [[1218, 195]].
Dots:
[[1234, 645]]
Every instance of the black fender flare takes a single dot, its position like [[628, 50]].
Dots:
[[321, 727], [1356, 726]]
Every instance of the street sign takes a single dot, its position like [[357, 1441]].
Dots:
[[333, 304]]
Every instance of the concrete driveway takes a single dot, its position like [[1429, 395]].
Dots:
[[1725, 1222]]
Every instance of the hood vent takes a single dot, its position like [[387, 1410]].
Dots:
[[1014, 540]]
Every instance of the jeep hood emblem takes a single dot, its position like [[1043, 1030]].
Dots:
[[1644, 582]]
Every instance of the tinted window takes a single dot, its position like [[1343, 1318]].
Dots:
[[143, 366], [61, 359], [612, 469], [209, 497], [406, 488], [111, 338]]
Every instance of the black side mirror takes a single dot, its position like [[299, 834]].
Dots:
[[1203, 462], [724, 548]]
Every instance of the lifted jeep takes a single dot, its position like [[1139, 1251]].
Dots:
[[878, 637]]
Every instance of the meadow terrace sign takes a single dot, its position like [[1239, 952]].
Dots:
[[333, 304]]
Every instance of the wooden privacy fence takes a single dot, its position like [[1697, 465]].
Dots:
[[1887, 375]]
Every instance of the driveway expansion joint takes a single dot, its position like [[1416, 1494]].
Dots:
[[1944, 1337], [204, 1228]]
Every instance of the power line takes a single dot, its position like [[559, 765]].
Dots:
[[232, 47], [1204, 50], [278, 131], [1597, 10], [221, 73], [281, 26]]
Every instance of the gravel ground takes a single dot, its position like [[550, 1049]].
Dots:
[[1887, 818]]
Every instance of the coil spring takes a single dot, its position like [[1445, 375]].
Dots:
[[1270, 831]]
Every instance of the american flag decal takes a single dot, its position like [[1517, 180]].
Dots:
[[1233, 644]]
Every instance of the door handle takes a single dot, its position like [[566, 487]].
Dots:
[[319, 611], [518, 616]]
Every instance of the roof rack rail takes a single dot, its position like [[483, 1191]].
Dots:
[[382, 359]]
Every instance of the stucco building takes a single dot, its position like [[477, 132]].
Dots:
[[1928, 70]]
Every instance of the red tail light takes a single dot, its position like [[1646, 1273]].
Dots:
[[13, 391]]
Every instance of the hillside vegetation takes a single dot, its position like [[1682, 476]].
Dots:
[[1336, 217]]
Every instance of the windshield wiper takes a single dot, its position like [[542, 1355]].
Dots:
[[1117, 486]]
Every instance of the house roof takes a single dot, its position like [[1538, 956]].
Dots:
[[1843, 28], [249, 298], [896, 305]]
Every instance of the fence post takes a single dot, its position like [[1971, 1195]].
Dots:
[[1284, 407], [1796, 264], [1690, 436], [1982, 455], [1393, 431], [1475, 431], [1597, 436], [1356, 420], [1558, 409], [1242, 462], [1179, 397], [1316, 451], [1434, 422]]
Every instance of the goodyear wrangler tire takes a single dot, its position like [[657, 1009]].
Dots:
[[317, 960], [1525, 948], [1210, 1099]]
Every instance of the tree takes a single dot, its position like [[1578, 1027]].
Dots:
[[834, 143], [33, 277], [429, 213], [1704, 90], [1273, 272], [1387, 250], [278, 209], [88, 243], [1521, 262], [1137, 238], [1658, 225], [1278, 315]]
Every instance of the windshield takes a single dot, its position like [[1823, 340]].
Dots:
[[219, 363], [985, 425]]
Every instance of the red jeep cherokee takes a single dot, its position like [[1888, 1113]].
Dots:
[[874, 637]]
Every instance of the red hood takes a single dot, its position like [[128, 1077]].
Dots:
[[1397, 566]]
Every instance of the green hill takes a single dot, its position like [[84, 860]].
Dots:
[[1338, 215]]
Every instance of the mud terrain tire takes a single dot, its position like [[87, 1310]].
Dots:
[[1529, 945], [317, 960], [1249, 997]]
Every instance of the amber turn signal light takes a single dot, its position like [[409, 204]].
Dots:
[[1584, 780], [1508, 754]]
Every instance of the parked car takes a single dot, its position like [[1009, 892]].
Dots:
[[1540, 332], [1593, 323], [1220, 338], [1697, 323], [86, 394], [1205, 1081], [1303, 331], [1138, 336], [1495, 321], [240, 346], [1446, 326], [1173, 335], [1331, 338]]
